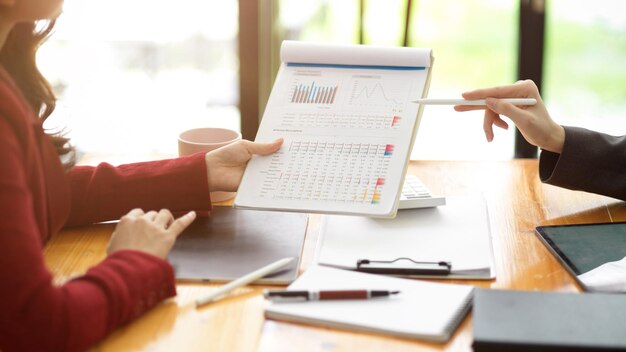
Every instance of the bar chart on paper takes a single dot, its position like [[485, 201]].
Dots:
[[313, 93], [328, 171]]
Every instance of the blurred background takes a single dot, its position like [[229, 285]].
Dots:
[[131, 75]]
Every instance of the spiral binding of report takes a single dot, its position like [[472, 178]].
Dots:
[[416, 195]]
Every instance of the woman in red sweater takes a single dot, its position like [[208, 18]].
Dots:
[[39, 195]]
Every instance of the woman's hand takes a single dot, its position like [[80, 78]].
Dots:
[[152, 232], [533, 122], [225, 165]]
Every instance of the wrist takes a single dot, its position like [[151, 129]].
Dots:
[[557, 140], [207, 161]]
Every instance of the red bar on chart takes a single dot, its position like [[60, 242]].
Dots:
[[299, 94], [295, 93]]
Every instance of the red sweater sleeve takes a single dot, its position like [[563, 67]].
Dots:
[[105, 192], [36, 315]]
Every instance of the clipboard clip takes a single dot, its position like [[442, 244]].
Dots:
[[403, 266]]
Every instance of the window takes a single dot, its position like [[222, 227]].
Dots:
[[474, 43], [130, 75], [584, 74]]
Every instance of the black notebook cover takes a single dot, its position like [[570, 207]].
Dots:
[[548, 321], [233, 242]]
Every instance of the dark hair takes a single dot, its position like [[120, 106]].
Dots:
[[18, 56]]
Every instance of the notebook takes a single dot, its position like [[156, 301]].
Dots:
[[595, 254], [422, 310], [233, 242], [457, 234], [542, 321], [348, 121]]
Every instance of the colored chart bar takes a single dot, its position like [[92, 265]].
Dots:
[[396, 120], [376, 197], [313, 94], [389, 150]]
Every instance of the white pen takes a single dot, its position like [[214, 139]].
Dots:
[[514, 101], [244, 280]]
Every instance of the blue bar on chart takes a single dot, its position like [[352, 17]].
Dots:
[[389, 150], [312, 94]]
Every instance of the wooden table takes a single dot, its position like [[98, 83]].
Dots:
[[517, 202]]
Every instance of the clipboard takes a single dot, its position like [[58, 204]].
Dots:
[[451, 241], [403, 266]]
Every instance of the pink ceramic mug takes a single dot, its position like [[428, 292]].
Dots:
[[204, 140]]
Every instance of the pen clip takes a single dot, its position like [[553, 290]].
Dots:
[[403, 266]]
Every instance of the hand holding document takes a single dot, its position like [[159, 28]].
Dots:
[[476, 102], [348, 124]]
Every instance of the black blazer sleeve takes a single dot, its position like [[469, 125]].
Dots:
[[591, 161]]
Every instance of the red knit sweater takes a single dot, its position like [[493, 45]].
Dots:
[[38, 198]]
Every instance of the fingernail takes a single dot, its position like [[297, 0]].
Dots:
[[191, 213], [491, 102]]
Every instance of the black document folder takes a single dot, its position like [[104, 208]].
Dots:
[[548, 321], [233, 242]]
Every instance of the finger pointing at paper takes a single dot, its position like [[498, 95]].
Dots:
[[533, 121]]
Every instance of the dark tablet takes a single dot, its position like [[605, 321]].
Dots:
[[233, 242], [584, 247]]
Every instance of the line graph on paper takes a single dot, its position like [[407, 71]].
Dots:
[[378, 93]]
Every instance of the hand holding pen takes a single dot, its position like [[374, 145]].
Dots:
[[301, 296], [520, 102]]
